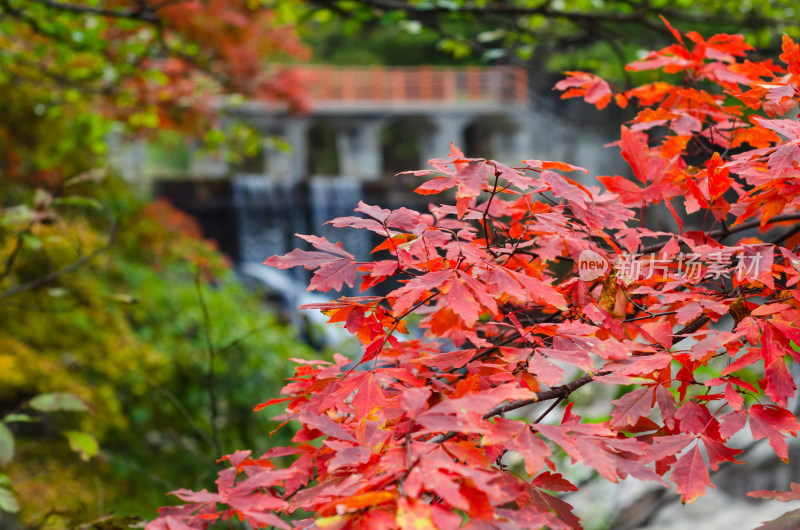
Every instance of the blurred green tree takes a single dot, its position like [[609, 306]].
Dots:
[[154, 334], [549, 36], [119, 304]]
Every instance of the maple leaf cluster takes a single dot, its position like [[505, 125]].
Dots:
[[153, 64], [452, 426], [237, 37]]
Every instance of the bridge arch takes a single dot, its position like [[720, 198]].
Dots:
[[402, 143], [323, 154]]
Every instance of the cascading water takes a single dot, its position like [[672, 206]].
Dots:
[[332, 197], [268, 214]]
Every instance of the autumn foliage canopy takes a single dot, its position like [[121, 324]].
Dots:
[[533, 285]]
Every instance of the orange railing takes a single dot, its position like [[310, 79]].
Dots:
[[424, 83]]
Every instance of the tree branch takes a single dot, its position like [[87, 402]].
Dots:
[[638, 14], [212, 355], [144, 12], [56, 274], [558, 392], [725, 232], [13, 255]]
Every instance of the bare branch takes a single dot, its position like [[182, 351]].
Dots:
[[212, 356], [56, 274], [144, 12], [725, 231]]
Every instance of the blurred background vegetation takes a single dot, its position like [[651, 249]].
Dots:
[[131, 357], [169, 352]]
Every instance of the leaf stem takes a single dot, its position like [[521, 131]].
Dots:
[[212, 354]]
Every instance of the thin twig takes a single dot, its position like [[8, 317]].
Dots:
[[780, 239], [558, 392], [13, 256], [183, 411], [212, 354], [56, 274], [725, 231], [553, 405]]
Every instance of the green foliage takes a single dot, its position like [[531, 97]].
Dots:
[[56, 401], [548, 37], [150, 351], [8, 501], [80, 442], [6, 445], [149, 65], [121, 329], [391, 41]]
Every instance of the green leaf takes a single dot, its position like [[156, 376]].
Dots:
[[6, 445], [275, 142], [122, 298], [56, 401], [57, 292], [456, 48], [8, 501], [213, 138], [489, 36], [80, 202], [31, 241], [350, 26], [18, 418], [83, 444], [17, 215], [448, 4]]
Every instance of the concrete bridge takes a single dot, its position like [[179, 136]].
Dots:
[[365, 125], [371, 122]]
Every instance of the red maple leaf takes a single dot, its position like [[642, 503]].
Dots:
[[690, 475], [590, 87], [333, 267]]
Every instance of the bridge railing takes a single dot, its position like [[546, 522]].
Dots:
[[424, 83]]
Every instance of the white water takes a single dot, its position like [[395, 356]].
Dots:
[[269, 212]]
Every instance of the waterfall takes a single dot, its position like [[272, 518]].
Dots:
[[332, 197], [268, 214]]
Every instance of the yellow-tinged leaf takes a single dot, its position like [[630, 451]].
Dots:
[[608, 296], [82, 443], [332, 523], [375, 498], [413, 515], [738, 310]]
